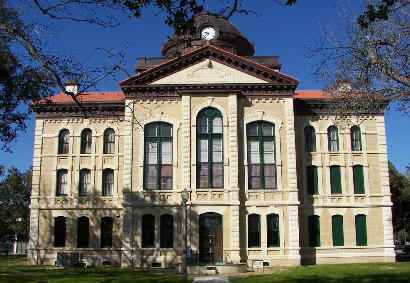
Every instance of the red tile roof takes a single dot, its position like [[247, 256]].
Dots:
[[104, 96], [310, 94]]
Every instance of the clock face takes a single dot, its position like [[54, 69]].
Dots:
[[208, 33]]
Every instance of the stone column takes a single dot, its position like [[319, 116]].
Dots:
[[127, 217], [35, 194], [385, 184], [294, 255], [233, 176]]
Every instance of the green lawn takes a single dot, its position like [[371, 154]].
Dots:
[[14, 269], [363, 272]]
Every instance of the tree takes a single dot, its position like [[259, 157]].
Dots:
[[400, 190], [368, 55], [15, 189], [30, 69]]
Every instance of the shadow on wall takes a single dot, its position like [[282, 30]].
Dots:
[[89, 229]]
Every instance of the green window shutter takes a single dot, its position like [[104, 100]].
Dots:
[[314, 231], [312, 180], [337, 229], [358, 179], [361, 230], [335, 180]]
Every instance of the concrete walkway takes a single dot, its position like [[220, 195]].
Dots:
[[211, 280]]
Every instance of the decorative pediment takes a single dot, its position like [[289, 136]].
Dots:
[[205, 68], [208, 72]]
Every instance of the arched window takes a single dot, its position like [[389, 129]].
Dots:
[[106, 232], [148, 231], [355, 138], [361, 230], [166, 231], [310, 139], [59, 231], [335, 179], [86, 141], [358, 179], [209, 149], [261, 155], [272, 222], [333, 138], [85, 182], [337, 229], [63, 141], [254, 231], [158, 156], [109, 141], [312, 180], [108, 182], [83, 228], [314, 230], [62, 182]]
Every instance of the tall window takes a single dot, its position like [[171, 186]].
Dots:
[[355, 138], [83, 228], [254, 231], [86, 141], [335, 180], [148, 231], [310, 139], [337, 229], [106, 232], [109, 141], [166, 231], [158, 157], [314, 230], [272, 221], [59, 231], [85, 182], [63, 141], [361, 230], [333, 138], [108, 182], [209, 149], [261, 155], [358, 179], [62, 182], [312, 180]]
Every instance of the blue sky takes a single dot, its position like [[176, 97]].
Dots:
[[279, 30]]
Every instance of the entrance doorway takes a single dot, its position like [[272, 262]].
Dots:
[[210, 237]]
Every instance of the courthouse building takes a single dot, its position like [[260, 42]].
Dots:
[[270, 174]]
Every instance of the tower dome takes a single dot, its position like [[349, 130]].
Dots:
[[217, 30]]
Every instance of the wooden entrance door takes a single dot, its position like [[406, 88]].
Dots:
[[210, 227]]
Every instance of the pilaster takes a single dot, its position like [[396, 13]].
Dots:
[[186, 142], [127, 219], [293, 211], [385, 184], [35, 193]]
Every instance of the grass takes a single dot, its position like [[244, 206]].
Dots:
[[15, 269], [360, 272]]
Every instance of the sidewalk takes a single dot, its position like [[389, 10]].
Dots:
[[211, 280]]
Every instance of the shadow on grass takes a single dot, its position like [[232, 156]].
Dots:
[[14, 269]]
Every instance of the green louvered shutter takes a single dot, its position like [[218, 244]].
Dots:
[[358, 179], [314, 231], [361, 230], [337, 229], [335, 180], [312, 180]]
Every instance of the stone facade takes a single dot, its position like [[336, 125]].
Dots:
[[175, 93]]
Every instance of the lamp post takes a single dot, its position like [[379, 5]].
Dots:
[[184, 196]]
